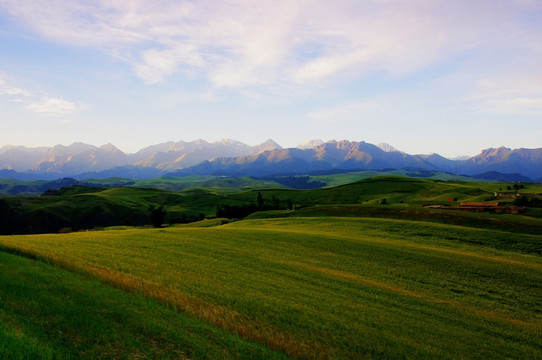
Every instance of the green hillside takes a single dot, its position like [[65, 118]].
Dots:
[[320, 287], [10, 187], [51, 313], [395, 189], [77, 207]]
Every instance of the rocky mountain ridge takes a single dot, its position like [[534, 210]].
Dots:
[[234, 158]]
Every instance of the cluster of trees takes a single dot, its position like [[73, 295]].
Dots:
[[159, 217], [185, 218], [525, 201], [241, 211], [515, 187], [21, 216], [26, 217]]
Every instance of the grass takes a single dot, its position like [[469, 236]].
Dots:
[[325, 287], [50, 313], [88, 207], [368, 191], [350, 177], [228, 185], [529, 223]]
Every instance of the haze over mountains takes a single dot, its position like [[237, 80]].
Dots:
[[233, 158]]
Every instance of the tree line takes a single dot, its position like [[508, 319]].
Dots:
[[241, 211]]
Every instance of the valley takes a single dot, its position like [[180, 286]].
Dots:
[[358, 270]]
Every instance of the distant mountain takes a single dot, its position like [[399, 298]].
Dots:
[[268, 145], [343, 155], [440, 162], [84, 161], [387, 147], [526, 162], [151, 150], [78, 157], [233, 158], [127, 172], [272, 162], [309, 144], [61, 161], [461, 157], [184, 154], [20, 158]]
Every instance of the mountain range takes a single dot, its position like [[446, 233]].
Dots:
[[233, 158]]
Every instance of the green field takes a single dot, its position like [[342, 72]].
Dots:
[[222, 184], [300, 287], [76, 208]]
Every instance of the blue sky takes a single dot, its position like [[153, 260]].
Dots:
[[451, 77]]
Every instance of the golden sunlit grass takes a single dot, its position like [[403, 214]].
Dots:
[[327, 287]]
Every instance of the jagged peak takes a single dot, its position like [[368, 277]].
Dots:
[[227, 141], [388, 148], [309, 144], [493, 151], [109, 147], [271, 142], [5, 148], [76, 147]]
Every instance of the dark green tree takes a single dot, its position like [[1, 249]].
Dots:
[[276, 202], [158, 215], [289, 204], [260, 200]]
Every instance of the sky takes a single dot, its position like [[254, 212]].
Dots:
[[426, 76]]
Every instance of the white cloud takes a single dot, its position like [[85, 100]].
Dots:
[[46, 106], [513, 91], [157, 64], [287, 46], [12, 91], [53, 107]]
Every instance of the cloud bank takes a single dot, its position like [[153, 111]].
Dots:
[[294, 45], [46, 105]]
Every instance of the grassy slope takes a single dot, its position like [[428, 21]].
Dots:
[[230, 184], [395, 189], [50, 313], [349, 177], [79, 207], [530, 223], [220, 184], [330, 287]]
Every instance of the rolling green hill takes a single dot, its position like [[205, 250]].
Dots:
[[76, 207], [319, 287], [51, 313], [10, 187]]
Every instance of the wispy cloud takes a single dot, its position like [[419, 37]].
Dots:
[[517, 91], [53, 107], [289, 46], [46, 105], [240, 43], [12, 91]]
